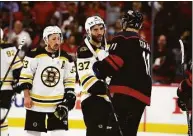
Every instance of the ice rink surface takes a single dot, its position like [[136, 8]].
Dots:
[[81, 132]]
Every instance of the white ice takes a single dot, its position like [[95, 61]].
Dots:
[[14, 131]]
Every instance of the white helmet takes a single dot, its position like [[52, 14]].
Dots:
[[1, 34], [51, 30], [91, 21]]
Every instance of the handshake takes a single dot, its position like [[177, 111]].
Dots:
[[68, 103]]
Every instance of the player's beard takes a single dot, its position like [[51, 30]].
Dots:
[[98, 38]]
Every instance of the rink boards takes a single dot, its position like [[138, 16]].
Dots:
[[162, 116]]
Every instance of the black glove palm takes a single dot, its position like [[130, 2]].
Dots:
[[68, 104], [61, 111]]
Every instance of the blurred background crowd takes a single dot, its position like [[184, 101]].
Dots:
[[164, 24]]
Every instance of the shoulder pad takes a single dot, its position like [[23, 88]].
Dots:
[[6, 45], [34, 52], [84, 52], [66, 55]]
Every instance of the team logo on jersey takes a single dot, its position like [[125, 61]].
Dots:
[[50, 76]]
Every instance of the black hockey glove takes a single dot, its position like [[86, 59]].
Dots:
[[61, 110], [70, 98], [97, 73], [185, 105], [181, 104], [16, 87], [67, 104]]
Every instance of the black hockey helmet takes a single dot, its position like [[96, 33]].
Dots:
[[132, 19]]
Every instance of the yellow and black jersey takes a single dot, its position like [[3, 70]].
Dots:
[[88, 80], [7, 53], [48, 75]]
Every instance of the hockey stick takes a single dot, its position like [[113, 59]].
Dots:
[[182, 64], [10, 66], [107, 90], [113, 109], [14, 58]]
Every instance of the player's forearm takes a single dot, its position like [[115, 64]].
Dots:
[[26, 93]]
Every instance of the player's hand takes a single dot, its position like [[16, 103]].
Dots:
[[61, 111], [28, 103], [96, 70], [70, 99], [181, 104]]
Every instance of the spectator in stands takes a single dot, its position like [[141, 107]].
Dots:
[[70, 45], [18, 33], [43, 12], [164, 64]]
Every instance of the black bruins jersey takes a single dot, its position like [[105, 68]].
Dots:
[[49, 75], [129, 65]]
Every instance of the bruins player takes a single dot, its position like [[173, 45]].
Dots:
[[7, 52], [48, 86], [129, 65], [94, 102]]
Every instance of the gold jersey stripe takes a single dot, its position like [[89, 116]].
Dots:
[[44, 104], [3, 129], [4, 124], [25, 81], [84, 77], [8, 78], [26, 75], [6, 83], [17, 65], [90, 81], [70, 79], [41, 55], [64, 58], [46, 97], [85, 93]]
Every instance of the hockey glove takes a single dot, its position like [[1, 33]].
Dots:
[[61, 111], [185, 105], [70, 98], [97, 73], [181, 104]]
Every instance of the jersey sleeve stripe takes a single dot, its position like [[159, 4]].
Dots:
[[69, 85], [117, 60], [26, 76], [108, 60], [89, 83], [21, 81], [17, 65], [84, 77]]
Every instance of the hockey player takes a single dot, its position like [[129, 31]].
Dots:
[[7, 52], [129, 65], [94, 102], [184, 92], [48, 86]]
